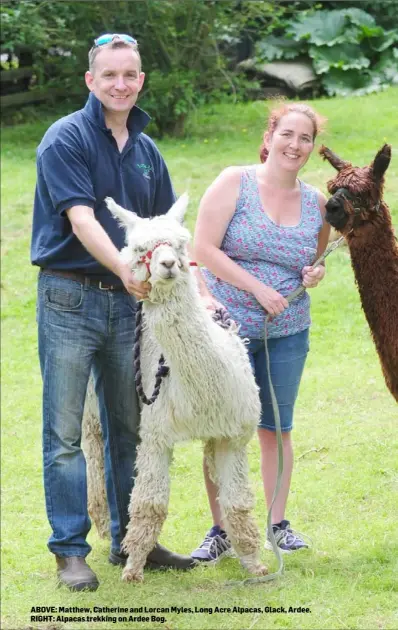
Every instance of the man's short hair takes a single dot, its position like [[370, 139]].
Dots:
[[115, 43]]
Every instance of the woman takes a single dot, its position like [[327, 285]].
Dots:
[[258, 231]]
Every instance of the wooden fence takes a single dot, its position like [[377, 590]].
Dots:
[[17, 84]]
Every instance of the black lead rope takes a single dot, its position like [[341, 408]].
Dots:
[[162, 370], [220, 316]]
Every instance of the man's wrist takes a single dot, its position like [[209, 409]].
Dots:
[[119, 267]]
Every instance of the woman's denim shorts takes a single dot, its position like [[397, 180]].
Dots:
[[287, 358]]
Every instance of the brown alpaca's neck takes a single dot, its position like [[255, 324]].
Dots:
[[374, 257], [373, 239]]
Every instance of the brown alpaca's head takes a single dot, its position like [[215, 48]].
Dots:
[[356, 192]]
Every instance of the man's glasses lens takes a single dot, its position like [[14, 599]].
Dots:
[[109, 37]]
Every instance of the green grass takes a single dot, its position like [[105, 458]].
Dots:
[[344, 490]]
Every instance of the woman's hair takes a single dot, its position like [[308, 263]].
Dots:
[[287, 108]]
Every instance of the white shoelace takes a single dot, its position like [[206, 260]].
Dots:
[[290, 536], [217, 543]]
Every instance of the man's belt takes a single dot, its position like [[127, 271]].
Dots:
[[87, 281]]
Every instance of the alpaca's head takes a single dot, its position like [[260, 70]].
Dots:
[[156, 249], [356, 192]]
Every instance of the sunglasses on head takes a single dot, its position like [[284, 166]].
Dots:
[[109, 37]]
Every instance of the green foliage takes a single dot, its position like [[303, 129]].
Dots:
[[188, 51], [48, 34], [385, 12], [273, 48], [344, 56], [350, 53], [320, 28], [188, 48], [171, 106], [352, 82]]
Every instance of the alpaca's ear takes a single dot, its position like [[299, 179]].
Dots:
[[381, 162], [177, 210], [331, 157], [126, 218]]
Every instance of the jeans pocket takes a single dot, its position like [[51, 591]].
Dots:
[[67, 298]]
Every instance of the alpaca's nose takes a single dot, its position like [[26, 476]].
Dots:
[[333, 205], [168, 263]]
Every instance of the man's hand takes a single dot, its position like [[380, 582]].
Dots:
[[312, 276], [140, 290]]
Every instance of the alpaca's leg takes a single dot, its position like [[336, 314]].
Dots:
[[148, 507], [208, 455], [237, 502], [93, 447]]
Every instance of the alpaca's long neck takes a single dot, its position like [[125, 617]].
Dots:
[[374, 256], [177, 322]]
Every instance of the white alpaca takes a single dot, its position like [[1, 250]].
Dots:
[[209, 394]]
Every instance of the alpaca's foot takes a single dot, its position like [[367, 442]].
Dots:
[[129, 575], [253, 564], [259, 569], [134, 570]]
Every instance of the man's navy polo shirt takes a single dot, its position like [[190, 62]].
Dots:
[[79, 163]]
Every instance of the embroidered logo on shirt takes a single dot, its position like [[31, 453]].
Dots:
[[146, 170]]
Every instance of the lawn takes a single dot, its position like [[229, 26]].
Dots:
[[344, 490]]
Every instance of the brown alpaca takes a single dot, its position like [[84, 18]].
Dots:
[[357, 211]]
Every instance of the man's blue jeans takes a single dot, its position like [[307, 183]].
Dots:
[[80, 329]]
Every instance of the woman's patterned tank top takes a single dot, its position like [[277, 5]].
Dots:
[[274, 254]]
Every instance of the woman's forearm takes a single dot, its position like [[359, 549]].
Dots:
[[226, 269]]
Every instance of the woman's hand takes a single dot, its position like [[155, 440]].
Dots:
[[272, 301], [312, 276], [211, 303]]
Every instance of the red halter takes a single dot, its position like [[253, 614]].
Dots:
[[146, 258]]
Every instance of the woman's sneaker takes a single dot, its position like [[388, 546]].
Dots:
[[287, 539], [214, 547]]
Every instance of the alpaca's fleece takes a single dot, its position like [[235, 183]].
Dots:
[[93, 448], [210, 393], [357, 210]]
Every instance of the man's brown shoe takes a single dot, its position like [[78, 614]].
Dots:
[[74, 572], [158, 559]]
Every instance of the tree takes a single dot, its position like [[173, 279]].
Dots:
[[188, 47]]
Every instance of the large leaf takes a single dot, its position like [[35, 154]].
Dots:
[[359, 17], [387, 39], [272, 48], [352, 35], [351, 83], [368, 32], [345, 56], [387, 66], [322, 28], [364, 22]]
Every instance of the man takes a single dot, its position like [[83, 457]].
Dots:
[[87, 298]]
